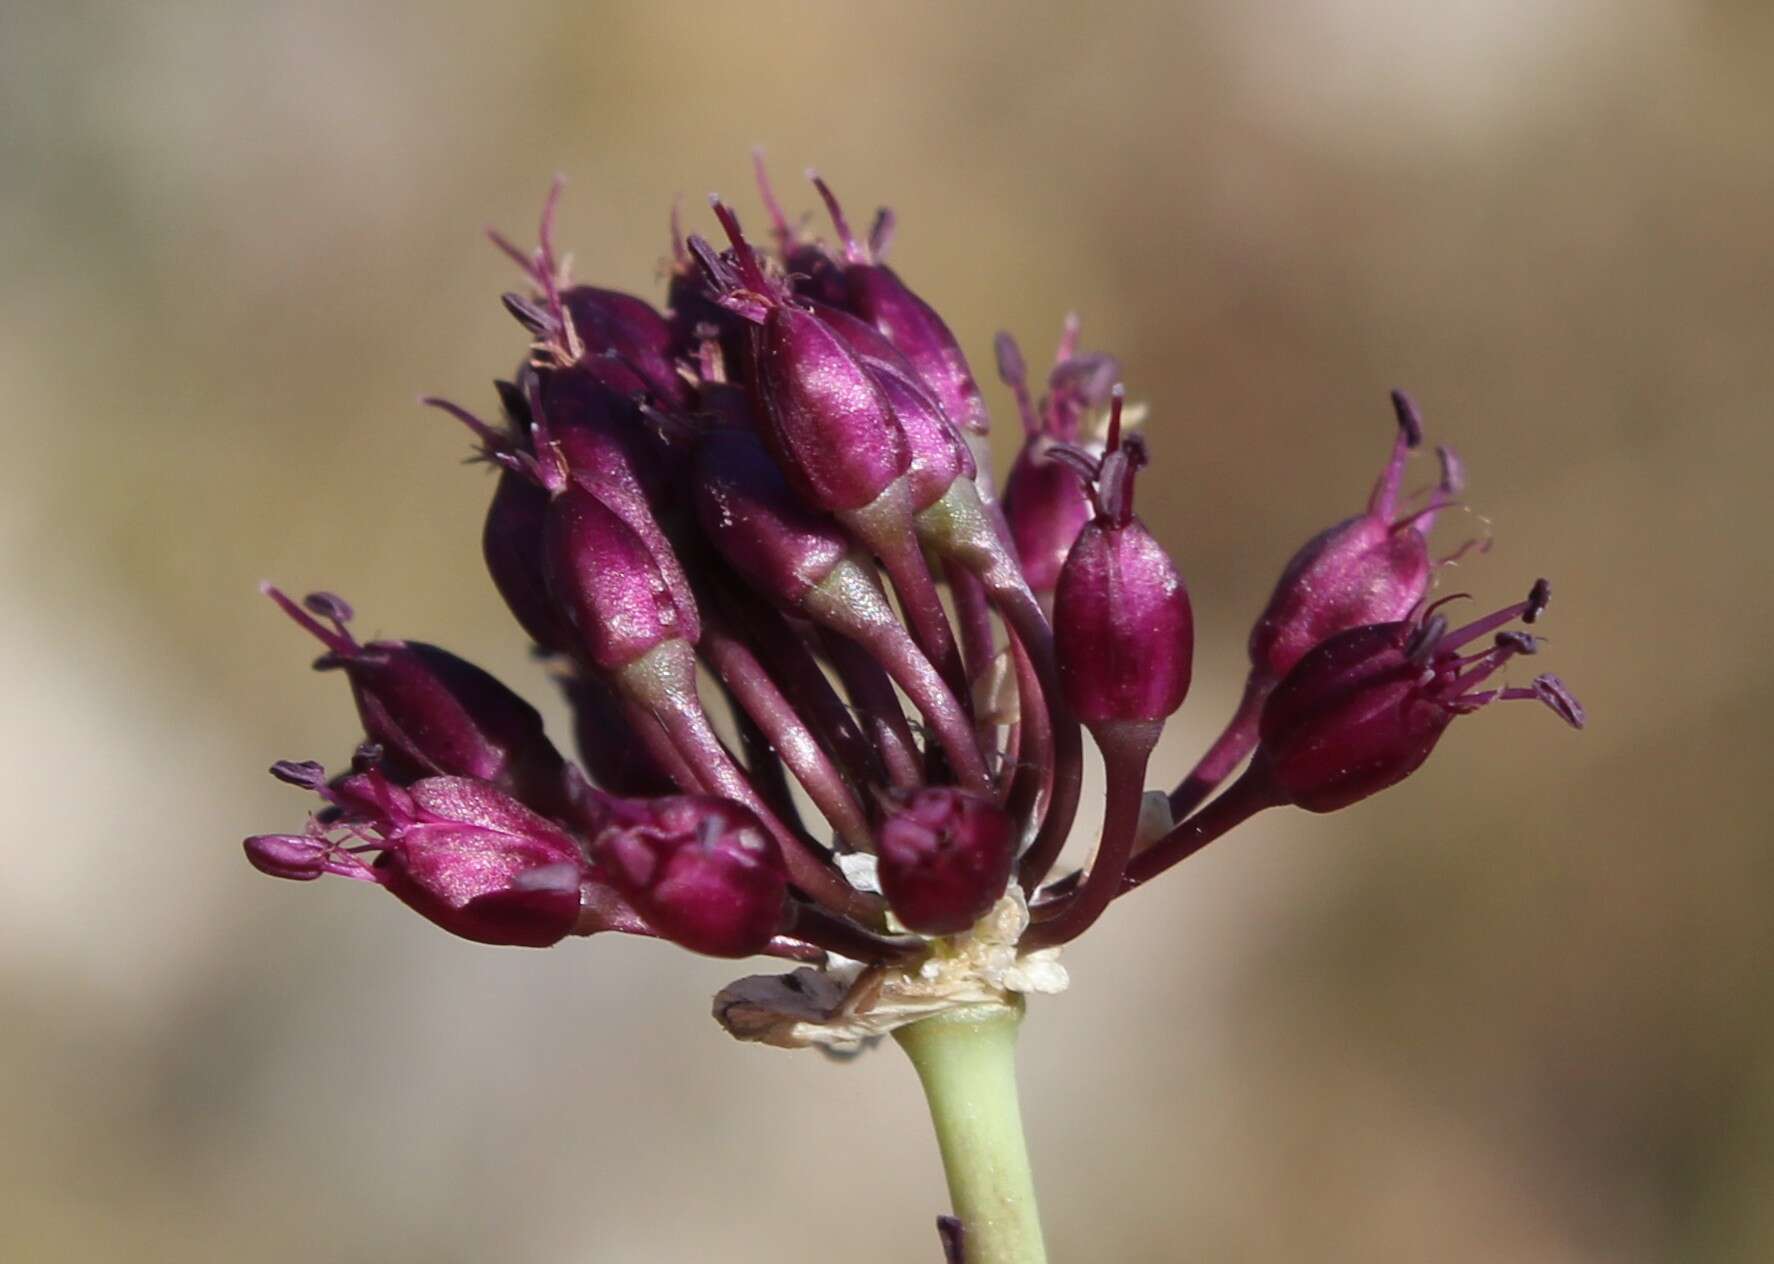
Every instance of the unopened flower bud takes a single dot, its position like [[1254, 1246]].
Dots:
[[822, 414], [875, 293], [939, 454], [1363, 710], [511, 542], [1372, 568], [944, 858], [583, 322], [1045, 505], [611, 322], [702, 871], [608, 582], [773, 540], [1122, 623]]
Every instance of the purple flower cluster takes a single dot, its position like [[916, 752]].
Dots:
[[780, 485]]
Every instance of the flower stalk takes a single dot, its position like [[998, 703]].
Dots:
[[966, 1062]]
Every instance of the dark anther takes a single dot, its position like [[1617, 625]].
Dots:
[[1538, 596], [511, 398], [304, 773], [1520, 642], [1552, 691], [527, 314], [1424, 638], [1409, 420], [328, 606]]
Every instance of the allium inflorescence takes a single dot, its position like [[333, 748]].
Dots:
[[777, 491]]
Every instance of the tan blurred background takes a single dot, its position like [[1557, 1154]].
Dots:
[[1518, 1009]]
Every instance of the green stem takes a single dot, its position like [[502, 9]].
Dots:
[[967, 1063]]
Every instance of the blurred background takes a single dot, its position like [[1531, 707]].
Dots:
[[1520, 1008]]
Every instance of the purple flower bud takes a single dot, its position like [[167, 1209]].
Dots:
[[945, 857], [433, 713], [939, 454], [458, 851], [811, 270], [875, 293], [601, 431], [754, 520], [702, 871], [702, 330], [609, 583], [1372, 568], [1362, 710], [609, 322], [1122, 623], [579, 322], [607, 448], [822, 414], [1045, 505], [511, 542]]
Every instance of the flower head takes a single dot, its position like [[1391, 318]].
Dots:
[[774, 492]]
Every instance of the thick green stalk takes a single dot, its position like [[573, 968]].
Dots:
[[967, 1063]]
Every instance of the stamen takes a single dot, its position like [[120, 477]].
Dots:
[[545, 256], [1453, 470], [1068, 339], [1014, 373], [548, 467], [1518, 642], [714, 268], [1490, 623], [530, 316], [680, 257], [779, 225], [1425, 639], [749, 268], [1553, 692], [1383, 502], [1410, 422], [853, 252], [1538, 597], [304, 774], [1433, 606], [506, 246], [330, 606], [881, 232], [338, 640], [1087, 467], [491, 440]]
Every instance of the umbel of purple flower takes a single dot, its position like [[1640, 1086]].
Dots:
[[781, 482]]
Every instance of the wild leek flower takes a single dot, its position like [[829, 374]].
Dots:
[[779, 484]]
